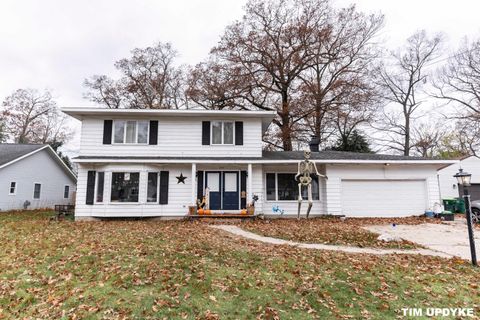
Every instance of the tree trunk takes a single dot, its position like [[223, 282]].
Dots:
[[406, 146], [286, 130]]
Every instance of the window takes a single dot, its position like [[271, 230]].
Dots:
[[125, 186], [37, 188], [130, 131], [13, 188], [222, 132], [283, 186], [100, 186], [152, 187], [66, 192]]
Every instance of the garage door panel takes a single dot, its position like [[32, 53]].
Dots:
[[383, 198]]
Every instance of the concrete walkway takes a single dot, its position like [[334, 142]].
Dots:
[[317, 246], [449, 237]]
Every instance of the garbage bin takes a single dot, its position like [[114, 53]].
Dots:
[[460, 206], [449, 204]]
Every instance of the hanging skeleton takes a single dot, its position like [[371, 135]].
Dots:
[[305, 169]]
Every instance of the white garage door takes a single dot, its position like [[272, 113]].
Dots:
[[383, 198]]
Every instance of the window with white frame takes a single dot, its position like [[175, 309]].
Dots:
[[66, 192], [152, 187], [37, 188], [283, 186], [125, 186], [222, 132], [13, 188], [130, 131]]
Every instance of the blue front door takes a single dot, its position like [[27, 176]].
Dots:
[[213, 183], [231, 195], [224, 190]]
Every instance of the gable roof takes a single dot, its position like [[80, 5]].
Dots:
[[13, 152]]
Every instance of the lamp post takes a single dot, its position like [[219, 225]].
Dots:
[[463, 179]]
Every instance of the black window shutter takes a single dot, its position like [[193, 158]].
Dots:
[[205, 133], [200, 185], [90, 187], [107, 131], [238, 133], [243, 188], [153, 135], [164, 187]]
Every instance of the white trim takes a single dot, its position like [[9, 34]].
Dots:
[[246, 161], [222, 143], [14, 188], [111, 183], [276, 187]]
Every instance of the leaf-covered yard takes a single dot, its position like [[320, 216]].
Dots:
[[334, 231], [141, 269]]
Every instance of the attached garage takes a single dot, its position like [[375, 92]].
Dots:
[[383, 198]]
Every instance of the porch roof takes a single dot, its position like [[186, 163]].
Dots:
[[274, 157]]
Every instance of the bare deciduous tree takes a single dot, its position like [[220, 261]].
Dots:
[[150, 80], [341, 68], [402, 82], [33, 117], [269, 48]]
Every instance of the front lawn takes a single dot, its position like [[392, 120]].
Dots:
[[141, 269], [334, 230]]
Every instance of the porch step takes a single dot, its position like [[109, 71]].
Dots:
[[222, 215]]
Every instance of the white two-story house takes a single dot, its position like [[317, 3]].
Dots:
[[157, 163]]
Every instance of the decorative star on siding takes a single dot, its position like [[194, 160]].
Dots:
[[181, 179]]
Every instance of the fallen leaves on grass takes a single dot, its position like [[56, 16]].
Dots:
[[332, 231]]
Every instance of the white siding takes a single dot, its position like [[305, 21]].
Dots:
[[337, 173], [177, 137], [448, 184], [37, 168]]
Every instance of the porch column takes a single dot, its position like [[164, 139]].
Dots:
[[194, 183], [249, 183]]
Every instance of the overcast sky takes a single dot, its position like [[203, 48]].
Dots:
[[56, 44]]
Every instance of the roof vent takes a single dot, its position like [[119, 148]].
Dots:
[[314, 143]]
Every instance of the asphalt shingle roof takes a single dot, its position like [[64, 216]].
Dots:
[[12, 151]]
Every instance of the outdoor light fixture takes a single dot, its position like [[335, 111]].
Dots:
[[463, 179]]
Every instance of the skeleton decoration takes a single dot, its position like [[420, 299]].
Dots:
[[305, 169]]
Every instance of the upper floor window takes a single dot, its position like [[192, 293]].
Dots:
[[13, 188], [130, 131], [222, 132], [37, 188]]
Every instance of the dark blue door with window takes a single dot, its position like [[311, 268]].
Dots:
[[231, 196], [213, 183]]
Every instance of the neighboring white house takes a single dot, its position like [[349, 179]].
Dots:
[[448, 184], [156, 163], [33, 176]]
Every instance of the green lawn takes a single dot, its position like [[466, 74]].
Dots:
[[139, 269]]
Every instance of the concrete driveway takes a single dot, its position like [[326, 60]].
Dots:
[[449, 237]]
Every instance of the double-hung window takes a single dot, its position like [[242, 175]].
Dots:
[[222, 132], [283, 186], [130, 131], [125, 186], [13, 188], [37, 188]]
